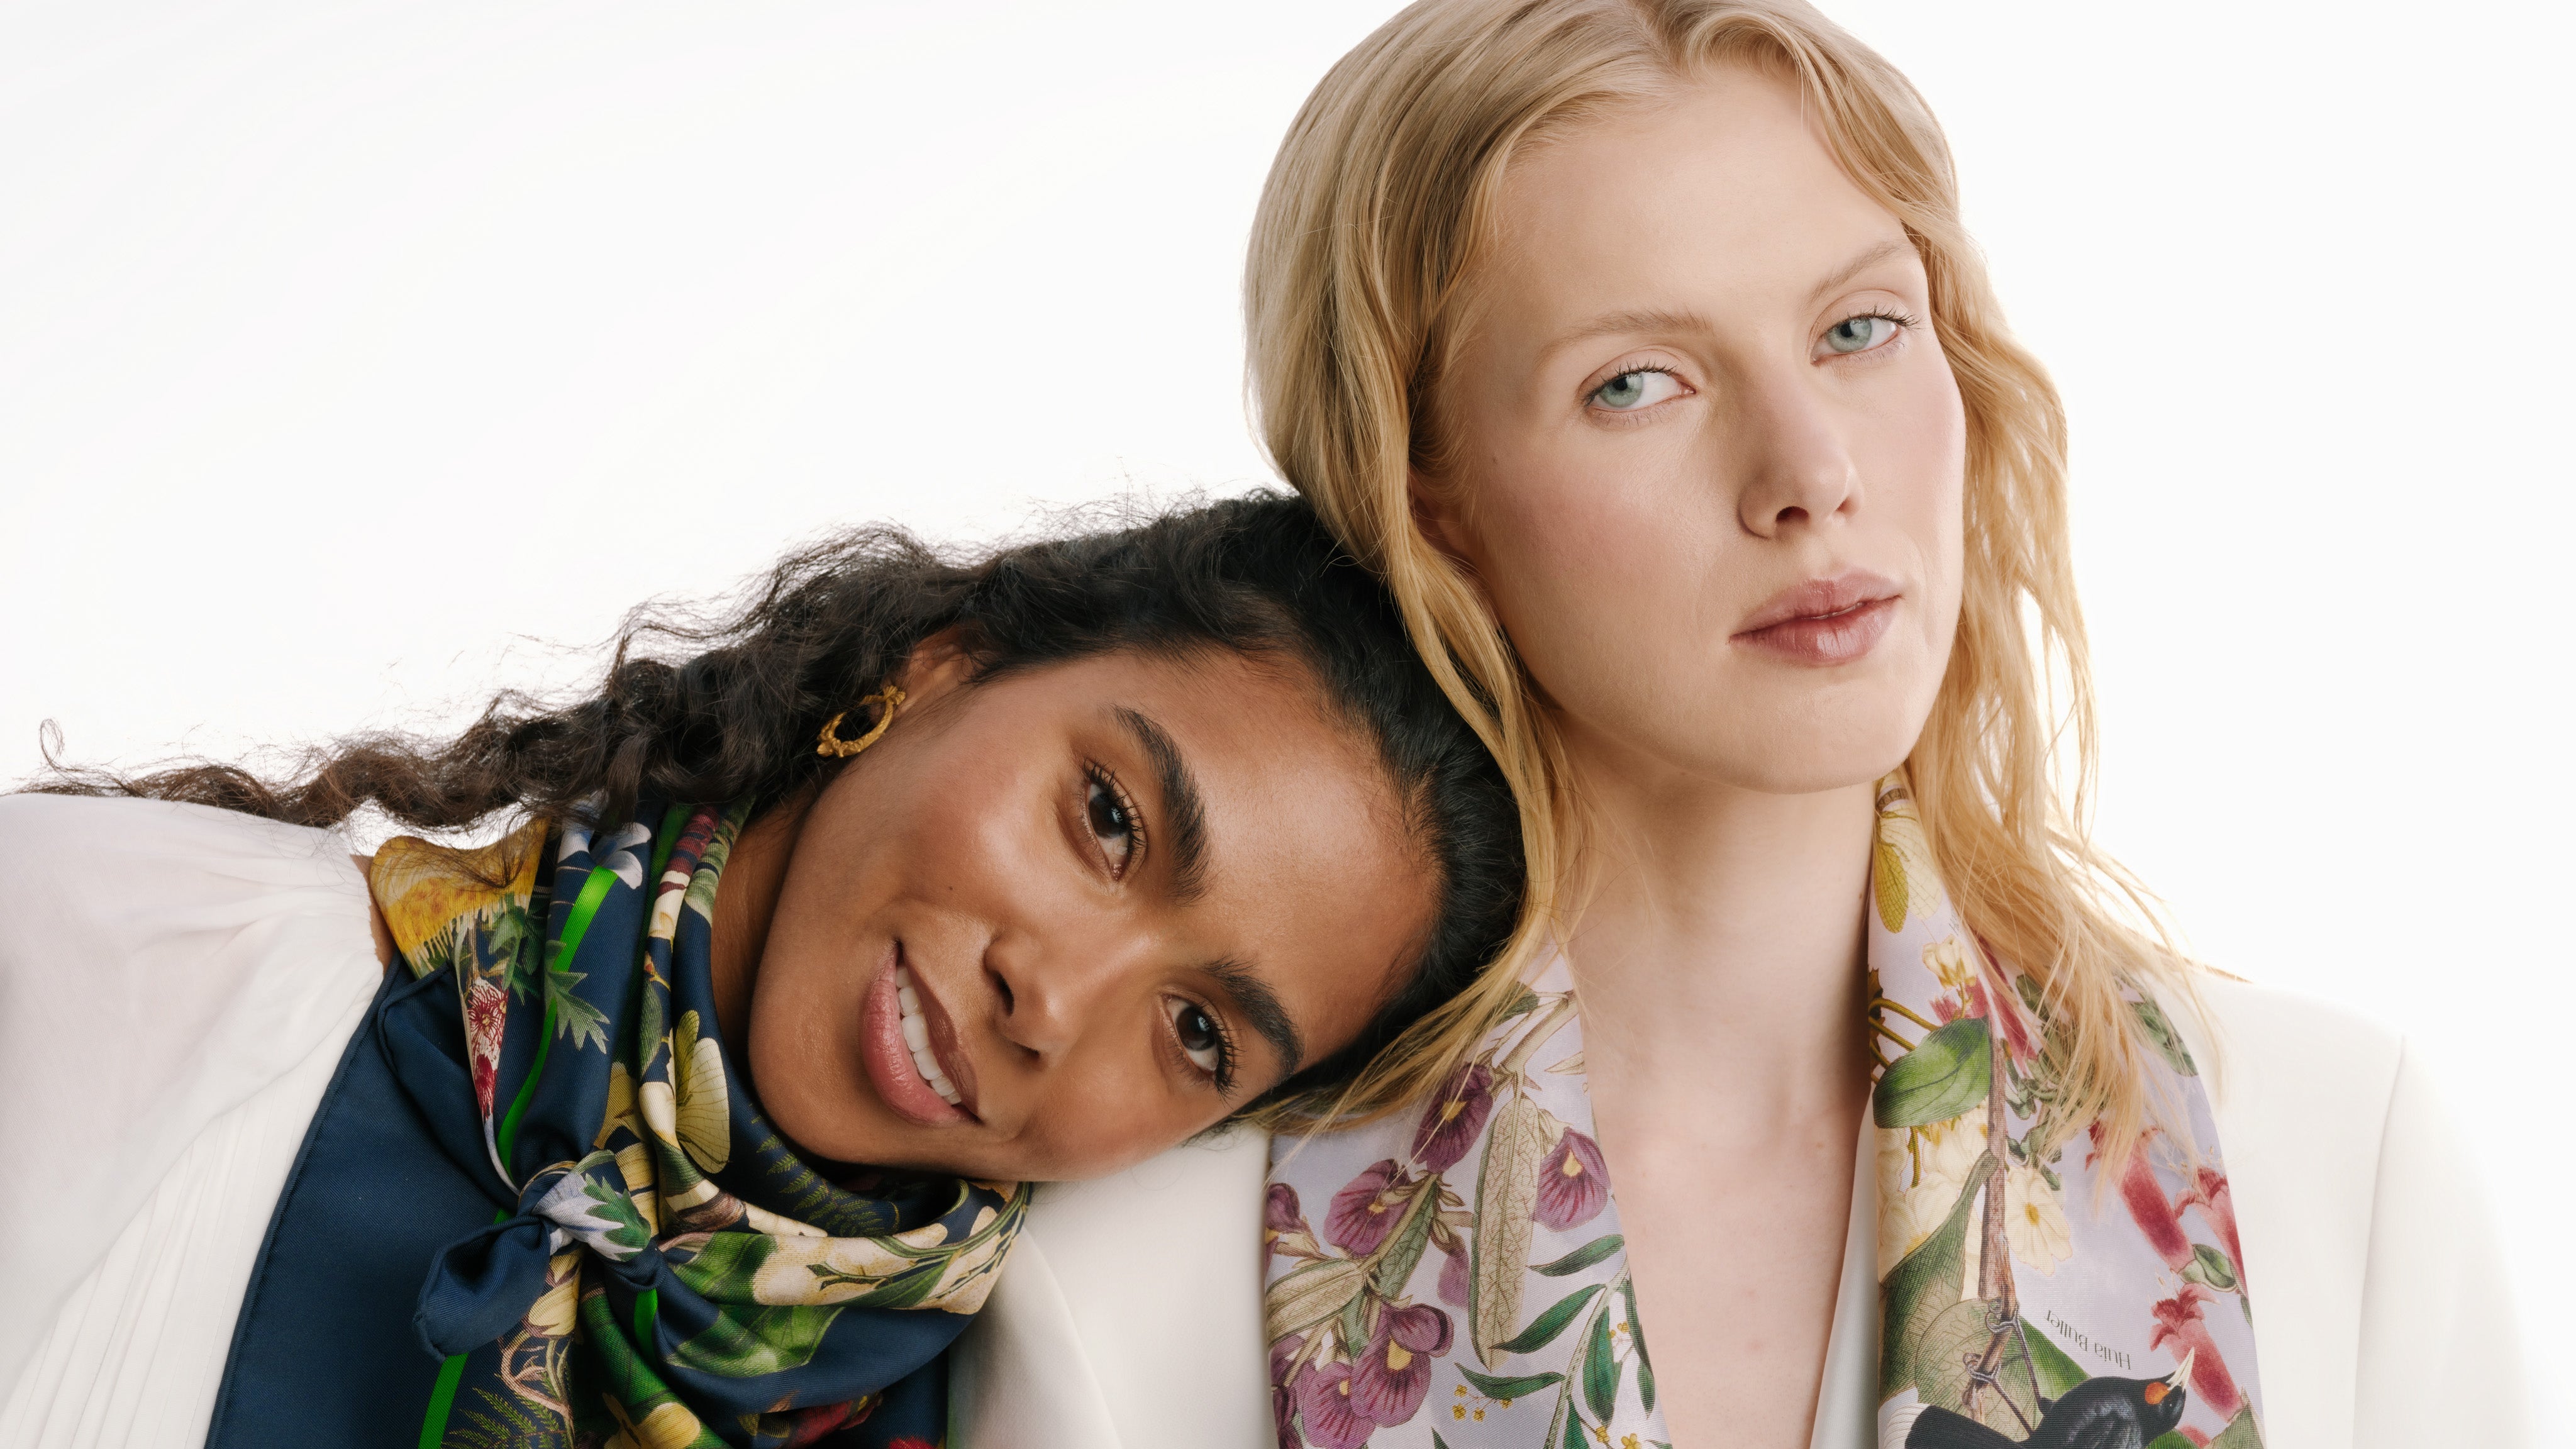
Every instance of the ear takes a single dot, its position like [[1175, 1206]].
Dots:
[[937, 667]]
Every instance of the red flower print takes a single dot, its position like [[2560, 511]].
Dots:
[[1390, 1379], [2179, 1331], [1457, 1114], [2145, 1197], [1361, 1217], [487, 1009], [1573, 1186], [1324, 1404], [2218, 1208]]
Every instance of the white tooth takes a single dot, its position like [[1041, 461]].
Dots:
[[915, 1034], [911, 1000]]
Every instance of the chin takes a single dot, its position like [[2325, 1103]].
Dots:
[[1801, 753]]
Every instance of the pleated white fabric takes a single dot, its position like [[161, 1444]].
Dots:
[[176, 986]]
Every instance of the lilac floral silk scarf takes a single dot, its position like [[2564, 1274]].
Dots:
[[1458, 1279]]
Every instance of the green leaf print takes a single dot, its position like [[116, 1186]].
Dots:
[[1404, 1248], [1600, 1369], [1544, 1328], [586, 1024], [747, 1341], [1923, 1283], [2210, 1268], [2057, 1372], [1637, 1341], [1946, 1074], [2160, 1030], [1520, 1387], [1583, 1257], [2240, 1433], [1959, 1336]]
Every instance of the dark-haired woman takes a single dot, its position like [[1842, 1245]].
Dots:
[[699, 1107]]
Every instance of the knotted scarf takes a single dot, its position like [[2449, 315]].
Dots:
[[1458, 1277], [674, 1273]]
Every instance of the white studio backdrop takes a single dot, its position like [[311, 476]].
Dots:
[[352, 356]]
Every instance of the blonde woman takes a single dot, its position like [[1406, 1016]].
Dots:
[[1638, 345]]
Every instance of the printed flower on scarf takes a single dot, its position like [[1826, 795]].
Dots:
[[487, 1011], [1388, 1382], [1283, 1225], [1950, 964], [2217, 1205], [2035, 1221], [1361, 1216], [2180, 1330], [1283, 1394], [1453, 1272], [2157, 1219], [615, 853], [1458, 1113], [1324, 1404], [1573, 1185], [1921, 1172]]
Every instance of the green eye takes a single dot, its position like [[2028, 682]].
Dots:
[[1858, 334], [1633, 391]]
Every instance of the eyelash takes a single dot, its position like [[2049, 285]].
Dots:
[[1100, 775], [1906, 320]]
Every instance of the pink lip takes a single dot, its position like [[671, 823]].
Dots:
[[1823, 621], [888, 1059]]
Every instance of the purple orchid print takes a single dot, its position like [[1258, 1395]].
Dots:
[[1456, 1120], [1573, 1184], [1423, 1307], [1391, 1378]]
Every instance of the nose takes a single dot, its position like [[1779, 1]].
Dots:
[[1045, 990], [1796, 458]]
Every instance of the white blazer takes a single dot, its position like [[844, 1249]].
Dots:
[[181, 981]]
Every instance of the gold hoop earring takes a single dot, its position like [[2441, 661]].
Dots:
[[832, 744]]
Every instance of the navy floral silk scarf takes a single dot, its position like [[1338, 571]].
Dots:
[[1458, 1279], [674, 1274]]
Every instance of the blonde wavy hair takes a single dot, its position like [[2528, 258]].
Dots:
[[1363, 261]]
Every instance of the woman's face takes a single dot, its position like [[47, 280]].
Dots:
[[1128, 894], [1708, 452]]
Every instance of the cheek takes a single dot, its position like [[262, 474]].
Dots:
[[1573, 534]]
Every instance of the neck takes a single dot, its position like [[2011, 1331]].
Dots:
[[1722, 946], [746, 899]]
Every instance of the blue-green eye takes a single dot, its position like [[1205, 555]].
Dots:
[[1631, 391], [1860, 334]]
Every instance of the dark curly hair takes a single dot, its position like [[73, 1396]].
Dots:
[[738, 715]]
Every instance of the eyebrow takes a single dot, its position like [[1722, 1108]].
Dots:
[[1260, 1008], [1621, 324], [1884, 251], [1182, 808]]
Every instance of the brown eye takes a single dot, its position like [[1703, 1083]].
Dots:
[[1201, 1039], [1113, 824]]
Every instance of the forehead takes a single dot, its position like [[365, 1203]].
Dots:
[[1719, 194]]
